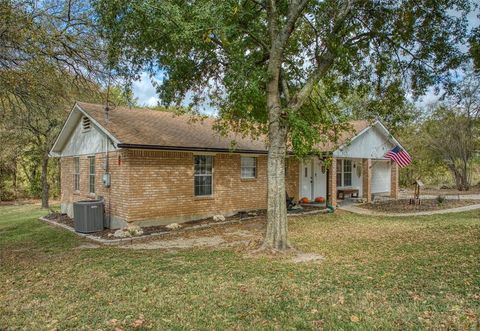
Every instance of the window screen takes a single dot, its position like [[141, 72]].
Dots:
[[203, 175], [91, 179], [76, 174], [248, 167]]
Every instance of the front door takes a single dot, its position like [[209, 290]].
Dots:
[[320, 179], [306, 179]]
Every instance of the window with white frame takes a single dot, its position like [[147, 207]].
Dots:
[[203, 175], [339, 172], [76, 174], [248, 167], [347, 172], [344, 173], [91, 176]]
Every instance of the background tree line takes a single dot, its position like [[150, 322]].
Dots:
[[50, 56]]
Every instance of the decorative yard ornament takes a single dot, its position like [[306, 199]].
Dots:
[[416, 195]]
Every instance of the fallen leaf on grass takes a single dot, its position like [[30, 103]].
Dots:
[[137, 324], [354, 319]]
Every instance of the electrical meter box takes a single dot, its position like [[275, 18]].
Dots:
[[106, 180]]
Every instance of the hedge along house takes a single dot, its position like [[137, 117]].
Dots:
[[154, 167]]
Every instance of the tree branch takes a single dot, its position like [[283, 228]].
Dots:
[[324, 64]]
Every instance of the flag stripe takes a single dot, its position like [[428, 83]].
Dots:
[[400, 156]]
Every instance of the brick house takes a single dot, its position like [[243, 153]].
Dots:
[[155, 167]]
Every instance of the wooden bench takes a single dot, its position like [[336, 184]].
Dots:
[[342, 191]]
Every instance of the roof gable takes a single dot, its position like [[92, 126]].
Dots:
[[372, 142], [73, 141]]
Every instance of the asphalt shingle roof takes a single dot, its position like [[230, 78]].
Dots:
[[156, 129]]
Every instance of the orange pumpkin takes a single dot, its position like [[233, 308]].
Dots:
[[320, 199], [304, 200]]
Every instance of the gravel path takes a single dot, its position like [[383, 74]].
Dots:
[[363, 211]]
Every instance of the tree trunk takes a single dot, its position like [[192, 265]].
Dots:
[[465, 176], [461, 177], [14, 179], [276, 235], [277, 227], [44, 180]]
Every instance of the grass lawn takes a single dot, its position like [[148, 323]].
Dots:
[[378, 273]]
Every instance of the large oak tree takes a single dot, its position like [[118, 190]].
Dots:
[[258, 61]]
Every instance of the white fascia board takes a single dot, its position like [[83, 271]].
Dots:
[[62, 133], [390, 136]]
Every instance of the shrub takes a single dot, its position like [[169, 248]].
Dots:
[[441, 199]]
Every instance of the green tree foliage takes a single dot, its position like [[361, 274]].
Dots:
[[451, 141], [49, 55], [445, 139], [259, 61], [121, 96]]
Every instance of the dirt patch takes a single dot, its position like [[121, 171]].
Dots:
[[224, 236], [60, 218], [179, 243], [403, 205], [307, 257]]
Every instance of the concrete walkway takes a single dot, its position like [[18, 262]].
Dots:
[[363, 211]]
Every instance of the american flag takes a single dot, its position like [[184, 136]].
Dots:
[[400, 156]]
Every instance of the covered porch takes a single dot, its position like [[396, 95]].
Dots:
[[335, 179]]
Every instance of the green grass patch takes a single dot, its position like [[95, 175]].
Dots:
[[379, 273]]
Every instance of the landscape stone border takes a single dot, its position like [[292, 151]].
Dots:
[[159, 234]]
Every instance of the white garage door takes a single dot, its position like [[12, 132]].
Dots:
[[380, 176]]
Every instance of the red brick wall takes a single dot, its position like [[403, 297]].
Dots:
[[367, 179], [115, 196], [394, 186], [162, 186], [159, 185], [332, 183]]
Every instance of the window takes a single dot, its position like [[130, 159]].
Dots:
[[76, 174], [86, 124], [91, 179], [344, 173], [249, 167], [339, 172], [347, 172], [203, 175]]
